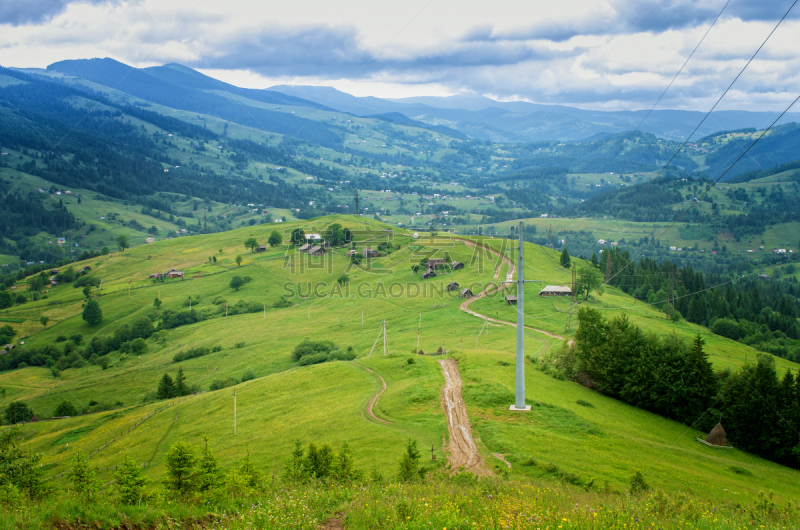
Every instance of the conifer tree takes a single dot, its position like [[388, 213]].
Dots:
[[180, 462], [82, 476], [130, 482], [565, 258], [166, 388], [180, 388], [208, 472]]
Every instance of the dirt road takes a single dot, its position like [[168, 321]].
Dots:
[[374, 399], [463, 452], [489, 290]]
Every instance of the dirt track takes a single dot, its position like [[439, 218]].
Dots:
[[374, 399], [489, 290], [463, 452]]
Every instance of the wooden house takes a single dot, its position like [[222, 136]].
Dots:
[[556, 290], [511, 299], [456, 265], [452, 286]]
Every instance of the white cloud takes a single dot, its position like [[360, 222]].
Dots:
[[589, 53]]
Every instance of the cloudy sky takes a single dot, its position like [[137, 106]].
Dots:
[[602, 54]]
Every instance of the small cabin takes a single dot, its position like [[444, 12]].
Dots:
[[305, 247], [172, 273], [430, 273], [150, 240], [433, 263], [457, 265], [556, 290], [511, 299], [369, 253], [452, 286], [466, 293], [261, 248], [316, 251]]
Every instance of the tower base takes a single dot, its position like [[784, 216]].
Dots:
[[523, 409]]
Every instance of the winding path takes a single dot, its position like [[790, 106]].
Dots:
[[463, 451], [489, 290], [374, 399]]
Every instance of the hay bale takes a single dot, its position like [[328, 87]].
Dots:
[[717, 436]]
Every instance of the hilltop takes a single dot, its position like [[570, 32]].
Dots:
[[288, 298]]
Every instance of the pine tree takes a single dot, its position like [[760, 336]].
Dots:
[[130, 482], [409, 463], [82, 476], [208, 473], [180, 462], [249, 473], [565, 259], [166, 388], [180, 389]]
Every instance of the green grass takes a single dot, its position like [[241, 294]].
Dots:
[[606, 442]]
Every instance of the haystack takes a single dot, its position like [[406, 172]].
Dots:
[[717, 436], [439, 351], [421, 352]]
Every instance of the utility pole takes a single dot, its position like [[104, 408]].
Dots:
[[205, 223], [550, 235], [519, 401], [357, 211], [419, 328], [234, 412], [385, 343]]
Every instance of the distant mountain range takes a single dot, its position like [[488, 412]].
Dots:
[[473, 116], [519, 121]]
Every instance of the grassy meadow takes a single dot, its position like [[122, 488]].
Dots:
[[572, 435]]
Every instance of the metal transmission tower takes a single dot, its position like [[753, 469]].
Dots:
[[519, 401]]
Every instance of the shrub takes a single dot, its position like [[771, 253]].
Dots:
[[65, 408], [239, 345], [219, 384], [191, 353], [248, 375], [283, 302], [638, 484], [139, 346]]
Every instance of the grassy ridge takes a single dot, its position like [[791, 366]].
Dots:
[[607, 442]]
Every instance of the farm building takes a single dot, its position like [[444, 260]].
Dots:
[[511, 299], [764, 276], [456, 265], [172, 273], [452, 286], [313, 238], [316, 251], [261, 248], [466, 293], [369, 253], [305, 247], [433, 263], [150, 240], [556, 290], [430, 273]]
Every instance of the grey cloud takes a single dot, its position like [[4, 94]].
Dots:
[[17, 12], [336, 52]]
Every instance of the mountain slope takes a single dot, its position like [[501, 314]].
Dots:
[[138, 83]]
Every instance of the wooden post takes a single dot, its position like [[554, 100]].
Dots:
[[265, 311], [226, 308], [385, 343], [234, 412]]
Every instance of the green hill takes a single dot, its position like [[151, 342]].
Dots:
[[572, 431]]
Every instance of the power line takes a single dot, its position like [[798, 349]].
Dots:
[[712, 184], [707, 113]]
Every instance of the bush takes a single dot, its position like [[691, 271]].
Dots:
[[139, 346], [727, 327], [191, 353], [638, 484], [65, 408], [283, 302], [314, 358], [83, 281], [219, 384], [239, 345], [248, 375]]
